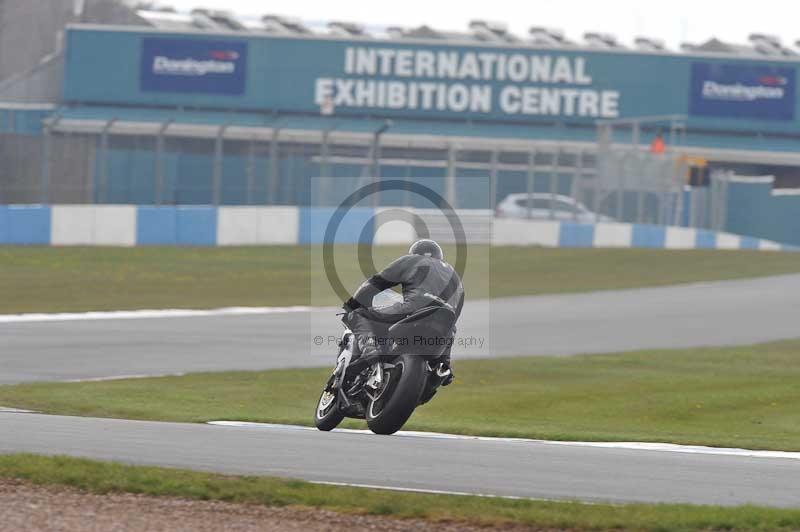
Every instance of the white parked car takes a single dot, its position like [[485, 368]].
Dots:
[[562, 208]]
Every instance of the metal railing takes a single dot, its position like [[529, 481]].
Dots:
[[616, 179]]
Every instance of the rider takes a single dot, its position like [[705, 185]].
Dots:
[[426, 280]]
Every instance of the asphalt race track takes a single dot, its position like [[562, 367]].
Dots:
[[497, 467], [721, 313]]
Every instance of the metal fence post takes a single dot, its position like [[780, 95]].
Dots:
[[723, 208], [450, 178], [324, 167], [160, 141], [529, 188], [217, 175], [325, 152], [274, 167], [553, 182], [680, 204], [376, 157], [47, 148], [407, 192], [640, 192], [251, 171], [102, 196], [719, 199], [45, 171], [577, 182], [493, 179], [621, 187]]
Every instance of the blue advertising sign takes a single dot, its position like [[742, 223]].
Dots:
[[728, 90], [193, 66]]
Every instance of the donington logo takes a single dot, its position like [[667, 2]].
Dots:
[[219, 62], [739, 92], [742, 90], [193, 66]]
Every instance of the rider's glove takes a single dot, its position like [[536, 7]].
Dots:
[[350, 305]]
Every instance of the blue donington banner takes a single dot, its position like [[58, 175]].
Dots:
[[193, 66], [742, 91]]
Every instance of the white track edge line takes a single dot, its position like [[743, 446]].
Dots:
[[424, 490], [637, 446], [123, 377], [152, 314]]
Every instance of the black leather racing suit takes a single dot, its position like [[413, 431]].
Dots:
[[425, 280]]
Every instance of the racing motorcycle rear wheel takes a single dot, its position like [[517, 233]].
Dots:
[[390, 406]]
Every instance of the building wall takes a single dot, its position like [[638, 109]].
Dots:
[[291, 74], [32, 36]]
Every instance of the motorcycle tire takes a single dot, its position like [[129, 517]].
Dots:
[[327, 414], [399, 396]]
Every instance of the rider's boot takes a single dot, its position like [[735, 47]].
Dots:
[[366, 353], [444, 371]]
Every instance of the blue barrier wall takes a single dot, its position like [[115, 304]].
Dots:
[[24, 224], [357, 226], [182, 226], [576, 236], [755, 209], [648, 236]]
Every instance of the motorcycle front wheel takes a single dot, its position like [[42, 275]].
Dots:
[[328, 415], [392, 405]]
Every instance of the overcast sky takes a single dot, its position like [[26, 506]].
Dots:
[[674, 21]]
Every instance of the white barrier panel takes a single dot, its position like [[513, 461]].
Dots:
[[90, 225], [115, 225], [278, 225], [680, 238], [72, 225], [611, 235], [510, 232], [768, 245], [394, 226], [477, 225], [251, 226], [237, 226], [728, 241]]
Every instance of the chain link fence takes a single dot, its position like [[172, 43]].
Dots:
[[641, 182]]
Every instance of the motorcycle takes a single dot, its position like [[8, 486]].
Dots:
[[406, 375]]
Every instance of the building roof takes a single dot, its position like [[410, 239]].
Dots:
[[161, 16]]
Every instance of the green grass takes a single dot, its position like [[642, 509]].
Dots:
[[105, 477], [732, 397], [78, 279]]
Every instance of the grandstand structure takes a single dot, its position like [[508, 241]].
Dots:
[[109, 101]]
